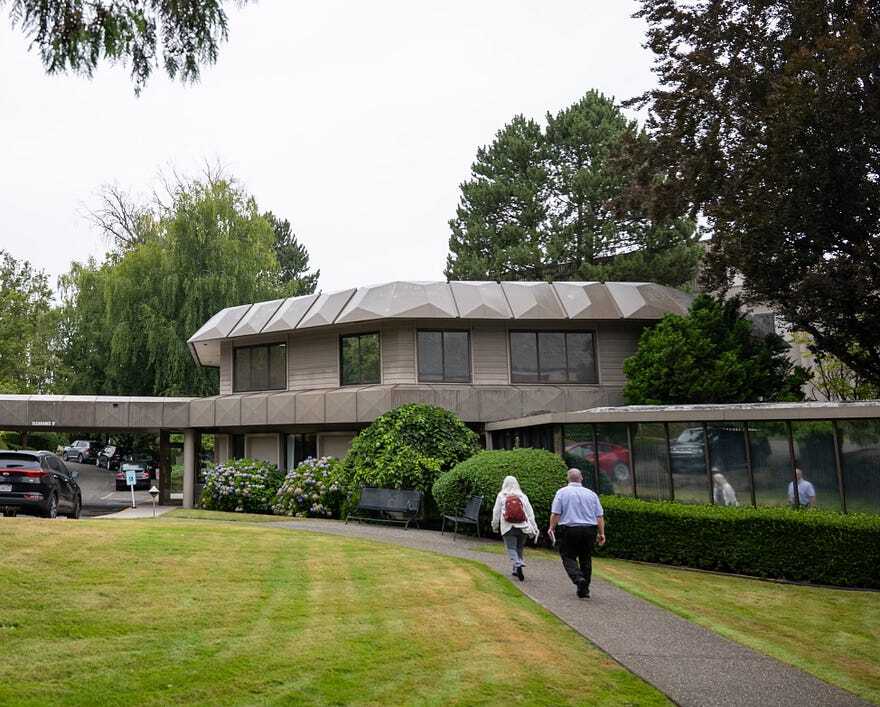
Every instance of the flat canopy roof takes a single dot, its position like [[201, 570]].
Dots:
[[700, 413], [535, 301]]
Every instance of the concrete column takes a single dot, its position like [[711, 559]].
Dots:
[[164, 468], [189, 467]]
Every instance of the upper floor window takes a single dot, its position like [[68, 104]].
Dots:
[[259, 368], [444, 356], [552, 357], [359, 359]]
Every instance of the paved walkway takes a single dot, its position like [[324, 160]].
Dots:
[[144, 510], [690, 664]]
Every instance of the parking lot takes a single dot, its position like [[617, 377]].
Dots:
[[99, 494]]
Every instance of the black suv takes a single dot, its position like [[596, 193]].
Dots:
[[81, 451], [38, 481], [110, 457], [726, 449]]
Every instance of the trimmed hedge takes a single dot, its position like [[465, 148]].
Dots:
[[803, 546], [540, 474]]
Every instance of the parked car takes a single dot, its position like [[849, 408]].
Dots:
[[144, 468], [82, 451], [38, 482], [613, 458], [110, 457], [727, 450]]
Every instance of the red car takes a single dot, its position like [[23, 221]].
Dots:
[[613, 458]]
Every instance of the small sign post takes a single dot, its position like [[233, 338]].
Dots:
[[131, 480]]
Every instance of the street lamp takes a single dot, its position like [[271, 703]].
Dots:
[[154, 494]]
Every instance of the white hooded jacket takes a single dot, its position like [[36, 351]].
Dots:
[[528, 526]]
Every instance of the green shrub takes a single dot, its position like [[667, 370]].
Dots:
[[804, 546], [241, 485], [408, 447], [312, 490], [540, 474]]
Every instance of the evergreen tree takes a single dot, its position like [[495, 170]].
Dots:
[[710, 356], [556, 204], [293, 258]]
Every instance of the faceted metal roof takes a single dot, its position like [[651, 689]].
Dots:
[[532, 301]]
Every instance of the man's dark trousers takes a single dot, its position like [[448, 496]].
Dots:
[[576, 548]]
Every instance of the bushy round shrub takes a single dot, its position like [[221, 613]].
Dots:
[[540, 474], [408, 447], [312, 490], [242, 485]]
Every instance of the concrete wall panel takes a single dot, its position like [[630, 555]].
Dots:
[[500, 403], [341, 405], [403, 395], [335, 445], [73, 412], [262, 446], [282, 409], [309, 407], [111, 414], [253, 409], [226, 368], [227, 411], [542, 398], [14, 412], [175, 414], [373, 402], [201, 413], [145, 414]]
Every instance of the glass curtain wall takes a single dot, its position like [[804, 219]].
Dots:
[[815, 459], [687, 456], [860, 459], [650, 462], [729, 464], [615, 463], [771, 462]]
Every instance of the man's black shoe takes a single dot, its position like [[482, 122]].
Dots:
[[583, 591], [519, 573]]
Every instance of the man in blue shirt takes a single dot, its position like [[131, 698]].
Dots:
[[577, 516]]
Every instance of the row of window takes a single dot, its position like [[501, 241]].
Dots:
[[444, 357]]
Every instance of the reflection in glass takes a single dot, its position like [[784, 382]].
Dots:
[[551, 348], [359, 359], [814, 444], [581, 361], [577, 441], [614, 456], [649, 451], [771, 462], [688, 461], [728, 464], [456, 356], [860, 458], [523, 357], [241, 370], [430, 355]]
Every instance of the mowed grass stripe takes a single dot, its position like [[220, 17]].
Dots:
[[196, 612]]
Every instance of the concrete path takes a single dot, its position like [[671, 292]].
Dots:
[[690, 664], [144, 510]]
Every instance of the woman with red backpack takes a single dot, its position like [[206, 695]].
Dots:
[[514, 518]]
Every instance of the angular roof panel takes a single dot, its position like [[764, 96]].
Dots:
[[586, 300], [256, 318], [646, 300], [533, 300], [480, 300], [219, 326], [326, 308], [415, 300], [289, 314]]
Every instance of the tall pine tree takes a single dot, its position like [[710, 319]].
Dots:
[[556, 204]]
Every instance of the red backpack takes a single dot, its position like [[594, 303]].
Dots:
[[513, 509]]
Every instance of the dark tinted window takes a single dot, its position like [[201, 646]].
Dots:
[[9, 460], [359, 359], [260, 368], [552, 357], [444, 356]]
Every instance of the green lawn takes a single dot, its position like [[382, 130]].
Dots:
[[832, 633], [199, 612], [197, 514]]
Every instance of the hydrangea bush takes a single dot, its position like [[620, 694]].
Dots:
[[312, 490], [241, 485]]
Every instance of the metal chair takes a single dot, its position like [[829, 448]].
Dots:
[[469, 516]]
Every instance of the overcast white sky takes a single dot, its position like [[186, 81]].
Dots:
[[356, 121]]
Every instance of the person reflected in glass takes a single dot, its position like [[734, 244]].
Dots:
[[514, 518], [806, 491], [722, 492]]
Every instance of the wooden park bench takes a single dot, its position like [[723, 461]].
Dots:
[[388, 506], [469, 516]]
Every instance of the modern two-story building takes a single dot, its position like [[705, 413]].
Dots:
[[302, 376]]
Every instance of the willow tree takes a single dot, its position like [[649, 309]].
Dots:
[[128, 319]]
